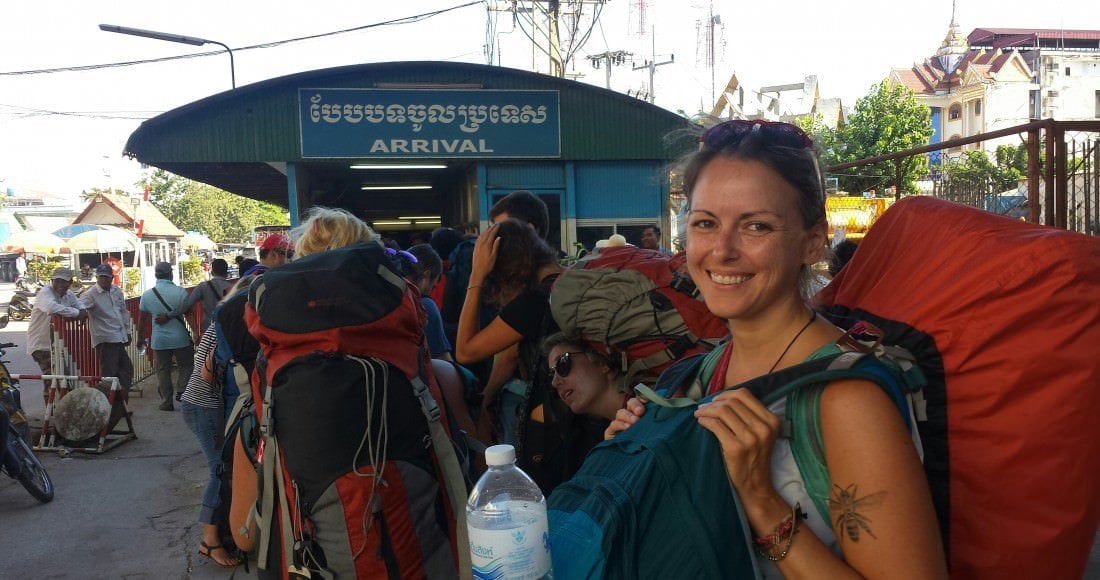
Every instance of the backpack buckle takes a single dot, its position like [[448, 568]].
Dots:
[[683, 283], [427, 402]]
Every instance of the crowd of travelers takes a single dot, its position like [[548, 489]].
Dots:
[[756, 225]]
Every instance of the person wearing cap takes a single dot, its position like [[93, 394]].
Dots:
[[109, 322], [275, 250], [172, 340], [54, 299], [209, 294]]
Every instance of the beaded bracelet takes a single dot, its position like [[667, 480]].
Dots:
[[784, 533]]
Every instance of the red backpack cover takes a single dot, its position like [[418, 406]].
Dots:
[[638, 305], [1004, 318], [359, 475]]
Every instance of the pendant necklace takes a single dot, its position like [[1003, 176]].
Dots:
[[813, 316]]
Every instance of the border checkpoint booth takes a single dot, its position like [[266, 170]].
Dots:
[[410, 146]]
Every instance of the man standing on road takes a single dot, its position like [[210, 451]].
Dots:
[[109, 320], [209, 294], [51, 300], [275, 250], [171, 340]]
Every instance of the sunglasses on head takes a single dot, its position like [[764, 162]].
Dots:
[[730, 133], [564, 365]]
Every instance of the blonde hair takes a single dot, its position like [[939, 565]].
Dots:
[[327, 228]]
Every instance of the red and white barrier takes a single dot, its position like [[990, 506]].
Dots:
[[60, 386]]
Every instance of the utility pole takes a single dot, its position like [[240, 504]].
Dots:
[[607, 59], [652, 65]]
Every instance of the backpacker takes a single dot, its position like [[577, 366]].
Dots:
[[235, 350], [1003, 319], [639, 306], [359, 475], [654, 502]]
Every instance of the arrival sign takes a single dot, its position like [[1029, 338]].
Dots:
[[420, 123]]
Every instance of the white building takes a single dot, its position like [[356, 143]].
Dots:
[[997, 78]]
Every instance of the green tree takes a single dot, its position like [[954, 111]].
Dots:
[[225, 217], [975, 169], [886, 120]]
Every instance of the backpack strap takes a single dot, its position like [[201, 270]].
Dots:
[[453, 479]]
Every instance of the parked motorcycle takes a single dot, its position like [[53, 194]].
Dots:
[[17, 459], [20, 307]]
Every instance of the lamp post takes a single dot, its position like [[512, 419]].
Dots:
[[192, 40]]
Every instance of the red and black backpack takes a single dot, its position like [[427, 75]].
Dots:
[[359, 477]]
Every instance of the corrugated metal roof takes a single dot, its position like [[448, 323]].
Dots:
[[229, 139]]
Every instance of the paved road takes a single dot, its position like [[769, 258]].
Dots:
[[129, 513]]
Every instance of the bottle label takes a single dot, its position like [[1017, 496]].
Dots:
[[521, 552]]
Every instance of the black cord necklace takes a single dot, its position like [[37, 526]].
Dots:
[[813, 316]]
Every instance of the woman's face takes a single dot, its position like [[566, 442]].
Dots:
[[585, 383], [746, 241]]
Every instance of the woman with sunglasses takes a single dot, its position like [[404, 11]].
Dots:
[[756, 224], [583, 378], [515, 268]]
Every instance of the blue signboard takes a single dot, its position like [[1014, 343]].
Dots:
[[421, 123]]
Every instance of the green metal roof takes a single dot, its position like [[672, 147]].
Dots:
[[229, 140]]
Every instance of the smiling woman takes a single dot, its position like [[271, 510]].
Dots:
[[756, 222]]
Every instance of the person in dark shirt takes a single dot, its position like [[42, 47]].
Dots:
[[515, 268]]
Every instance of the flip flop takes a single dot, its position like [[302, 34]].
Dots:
[[209, 551]]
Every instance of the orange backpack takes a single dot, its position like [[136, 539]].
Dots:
[[1004, 319]]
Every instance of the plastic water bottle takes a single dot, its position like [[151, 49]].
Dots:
[[506, 519]]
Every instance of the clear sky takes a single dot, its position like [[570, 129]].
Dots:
[[64, 131]]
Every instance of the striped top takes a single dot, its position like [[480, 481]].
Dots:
[[198, 391]]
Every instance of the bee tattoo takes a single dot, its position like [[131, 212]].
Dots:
[[845, 506]]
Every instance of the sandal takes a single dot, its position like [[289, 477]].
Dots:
[[208, 554]]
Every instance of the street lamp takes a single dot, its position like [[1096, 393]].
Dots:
[[192, 40]]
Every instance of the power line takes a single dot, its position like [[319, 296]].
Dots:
[[395, 21]]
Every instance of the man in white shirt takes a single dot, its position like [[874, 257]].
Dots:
[[109, 322], [51, 300]]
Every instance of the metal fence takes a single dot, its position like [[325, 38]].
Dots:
[[1061, 187]]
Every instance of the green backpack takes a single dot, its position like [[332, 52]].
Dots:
[[650, 503]]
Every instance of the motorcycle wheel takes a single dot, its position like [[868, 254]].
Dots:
[[33, 477], [16, 315]]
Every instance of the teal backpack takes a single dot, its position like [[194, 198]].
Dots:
[[655, 502]]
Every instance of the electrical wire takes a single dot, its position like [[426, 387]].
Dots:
[[393, 22]]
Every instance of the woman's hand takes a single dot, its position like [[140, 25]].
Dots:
[[485, 255], [625, 417], [746, 430]]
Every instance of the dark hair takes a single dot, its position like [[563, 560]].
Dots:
[[796, 166], [428, 260], [520, 255], [219, 267], [246, 264], [656, 229], [842, 253], [526, 207], [237, 260], [444, 241]]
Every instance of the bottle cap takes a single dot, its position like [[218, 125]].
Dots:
[[500, 455]]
